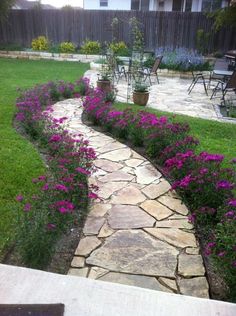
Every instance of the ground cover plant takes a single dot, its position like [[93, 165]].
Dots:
[[61, 199], [205, 185], [20, 161]]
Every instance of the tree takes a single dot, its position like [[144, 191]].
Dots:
[[5, 6], [225, 16]]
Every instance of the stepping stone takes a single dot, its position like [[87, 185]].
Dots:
[[169, 282], [176, 223], [190, 265], [135, 280], [156, 209], [155, 190], [78, 262], [117, 155], [173, 236], [128, 195], [93, 225], [135, 252], [78, 272], [110, 147], [194, 287], [133, 162], [107, 189], [107, 165], [174, 204], [99, 209], [105, 231], [97, 272], [87, 245], [116, 176], [128, 216], [147, 174]]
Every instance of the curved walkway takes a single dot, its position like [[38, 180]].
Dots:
[[138, 234]]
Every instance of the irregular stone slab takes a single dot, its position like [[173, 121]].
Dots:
[[105, 231], [192, 251], [78, 262], [93, 225], [135, 252], [117, 155], [147, 174], [174, 236], [98, 141], [174, 204], [78, 272], [130, 171], [194, 287], [129, 216], [99, 209], [107, 189], [97, 272], [87, 245], [156, 209], [129, 195], [134, 280], [110, 147], [177, 223], [133, 162], [190, 265], [153, 191], [107, 165], [169, 282], [116, 176]]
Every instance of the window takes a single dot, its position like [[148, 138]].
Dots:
[[135, 5], [140, 5], [211, 5], [177, 5], [103, 3], [188, 6], [145, 5]]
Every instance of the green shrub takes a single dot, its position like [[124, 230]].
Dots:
[[67, 47], [119, 48], [91, 47], [40, 43]]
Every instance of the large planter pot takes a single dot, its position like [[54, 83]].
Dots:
[[104, 85], [140, 98]]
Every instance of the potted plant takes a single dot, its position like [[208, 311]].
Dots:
[[140, 93], [104, 79]]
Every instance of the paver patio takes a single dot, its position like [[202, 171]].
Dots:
[[138, 233]]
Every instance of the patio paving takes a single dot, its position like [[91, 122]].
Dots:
[[171, 95], [138, 233]]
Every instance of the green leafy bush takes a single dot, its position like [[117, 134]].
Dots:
[[119, 48], [40, 43], [91, 47], [67, 47]]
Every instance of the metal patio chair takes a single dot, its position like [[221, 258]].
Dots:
[[224, 87], [149, 72], [198, 77]]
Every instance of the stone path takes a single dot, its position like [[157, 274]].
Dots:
[[138, 234], [171, 96]]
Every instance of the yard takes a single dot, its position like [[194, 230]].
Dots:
[[20, 161]]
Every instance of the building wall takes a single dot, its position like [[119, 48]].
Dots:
[[112, 5]]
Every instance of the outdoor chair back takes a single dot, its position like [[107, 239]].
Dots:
[[225, 87], [147, 72], [197, 78]]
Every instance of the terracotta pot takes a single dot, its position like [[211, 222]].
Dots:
[[104, 85], [140, 98]]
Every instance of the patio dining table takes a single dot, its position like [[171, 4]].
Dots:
[[225, 74]]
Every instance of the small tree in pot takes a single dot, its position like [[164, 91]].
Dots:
[[140, 93]]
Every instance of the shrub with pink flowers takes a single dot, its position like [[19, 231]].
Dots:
[[63, 192], [201, 180]]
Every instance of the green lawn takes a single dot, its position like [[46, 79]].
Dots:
[[19, 160], [214, 137]]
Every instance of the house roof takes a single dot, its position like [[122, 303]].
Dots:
[[24, 4]]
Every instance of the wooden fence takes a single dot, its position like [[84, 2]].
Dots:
[[161, 29]]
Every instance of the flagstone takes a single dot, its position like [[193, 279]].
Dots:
[[155, 190], [194, 287], [169, 282], [116, 176], [192, 251], [107, 165], [99, 209], [78, 272], [173, 236], [130, 171], [133, 162], [110, 147], [129, 216], [117, 155], [87, 245], [147, 174], [78, 262], [174, 204], [97, 272], [129, 195], [156, 209], [134, 280], [93, 225], [135, 252], [105, 231], [190, 265], [177, 223], [107, 189]]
